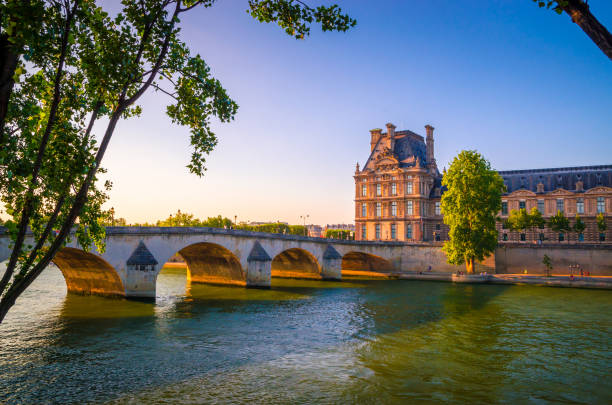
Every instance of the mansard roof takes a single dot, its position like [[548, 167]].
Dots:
[[555, 178], [408, 147]]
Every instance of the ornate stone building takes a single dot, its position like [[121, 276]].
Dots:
[[397, 194], [585, 191]]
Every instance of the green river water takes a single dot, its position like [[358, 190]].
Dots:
[[309, 342]]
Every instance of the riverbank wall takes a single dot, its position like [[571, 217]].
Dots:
[[518, 258]]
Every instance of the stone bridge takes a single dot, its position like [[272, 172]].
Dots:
[[134, 256]]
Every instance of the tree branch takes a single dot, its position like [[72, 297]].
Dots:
[[580, 13]]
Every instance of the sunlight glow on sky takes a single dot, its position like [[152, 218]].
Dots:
[[522, 85]]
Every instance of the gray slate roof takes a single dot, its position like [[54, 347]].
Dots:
[[258, 254], [554, 178], [410, 145], [331, 253], [141, 255]]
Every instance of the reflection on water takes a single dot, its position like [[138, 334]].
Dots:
[[372, 341]]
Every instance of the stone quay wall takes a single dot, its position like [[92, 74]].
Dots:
[[516, 258]]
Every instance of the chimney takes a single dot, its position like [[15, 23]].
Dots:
[[391, 134], [376, 133], [429, 142]]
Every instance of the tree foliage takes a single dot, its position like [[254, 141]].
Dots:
[[339, 234], [579, 225], [559, 223], [521, 220], [602, 225], [469, 206], [64, 65]]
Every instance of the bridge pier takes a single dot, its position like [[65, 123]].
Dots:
[[259, 268], [331, 265]]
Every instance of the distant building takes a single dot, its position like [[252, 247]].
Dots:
[[585, 191], [398, 194], [344, 227], [315, 231]]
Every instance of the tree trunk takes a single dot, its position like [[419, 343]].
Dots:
[[469, 265], [579, 11], [8, 64]]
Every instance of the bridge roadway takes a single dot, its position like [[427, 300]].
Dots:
[[134, 256]]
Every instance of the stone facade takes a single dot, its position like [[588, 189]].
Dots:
[[585, 191], [397, 193]]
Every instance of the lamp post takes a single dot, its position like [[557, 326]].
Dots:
[[235, 221], [304, 218]]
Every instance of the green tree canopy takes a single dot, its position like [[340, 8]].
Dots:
[[559, 223], [579, 225], [66, 65], [518, 220], [602, 225], [469, 206]]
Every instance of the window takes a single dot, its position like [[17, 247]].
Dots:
[[364, 210], [560, 204], [423, 208], [364, 233], [437, 227], [364, 190], [438, 208], [541, 206], [409, 187], [505, 237], [409, 208], [378, 210], [541, 236], [580, 206], [377, 231], [504, 207], [602, 237], [521, 205], [393, 188], [561, 237], [601, 207], [394, 209], [523, 237], [409, 231], [378, 192], [437, 238], [393, 234]]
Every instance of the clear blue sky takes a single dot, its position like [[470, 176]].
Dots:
[[522, 85]]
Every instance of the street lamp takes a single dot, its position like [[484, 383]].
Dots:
[[304, 218], [235, 221]]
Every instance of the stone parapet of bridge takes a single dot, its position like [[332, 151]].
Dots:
[[134, 256]]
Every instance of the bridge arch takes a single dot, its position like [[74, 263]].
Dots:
[[212, 263], [87, 273], [364, 263], [295, 263]]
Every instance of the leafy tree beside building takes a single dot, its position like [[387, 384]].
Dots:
[[579, 226], [602, 226], [469, 206], [559, 224]]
